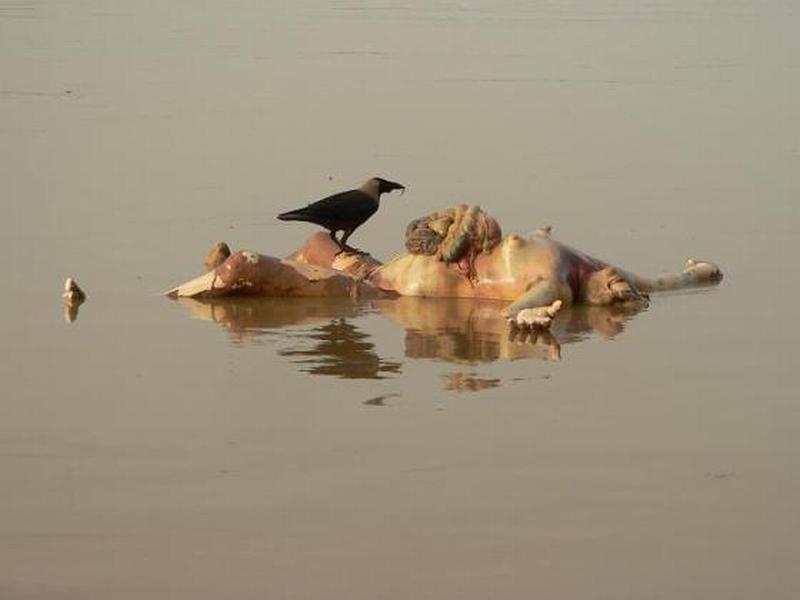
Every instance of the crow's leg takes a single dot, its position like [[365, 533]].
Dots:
[[347, 233], [342, 247]]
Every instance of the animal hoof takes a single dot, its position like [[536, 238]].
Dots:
[[702, 270], [540, 317]]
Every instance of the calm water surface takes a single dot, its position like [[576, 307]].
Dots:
[[410, 449]]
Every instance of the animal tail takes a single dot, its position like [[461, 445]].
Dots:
[[697, 273]]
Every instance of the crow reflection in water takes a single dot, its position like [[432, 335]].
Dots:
[[342, 351]]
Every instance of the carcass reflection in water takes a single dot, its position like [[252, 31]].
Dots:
[[246, 319], [468, 382], [472, 331], [337, 347], [464, 331]]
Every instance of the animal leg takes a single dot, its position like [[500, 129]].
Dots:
[[607, 286], [535, 308]]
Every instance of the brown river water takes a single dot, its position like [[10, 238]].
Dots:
[[391, 450]]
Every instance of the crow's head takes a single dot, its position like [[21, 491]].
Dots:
[[377, 186], [385, 186]]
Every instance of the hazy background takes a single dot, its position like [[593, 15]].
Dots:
[[147, 453]]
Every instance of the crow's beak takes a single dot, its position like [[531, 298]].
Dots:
[[385, 186]]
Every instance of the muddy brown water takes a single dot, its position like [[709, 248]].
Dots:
[[260, 449]]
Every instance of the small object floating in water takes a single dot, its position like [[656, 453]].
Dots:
[[72, 292], [218, 255], [73, 296]]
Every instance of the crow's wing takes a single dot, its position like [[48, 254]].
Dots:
[[344, 210]]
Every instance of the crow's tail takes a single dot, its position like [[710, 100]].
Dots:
[[294, 215]]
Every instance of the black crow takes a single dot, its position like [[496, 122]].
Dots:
[[344, 211]]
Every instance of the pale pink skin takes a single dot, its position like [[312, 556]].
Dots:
[[246, 273], [532, 272], [497, 278], [535, 273]]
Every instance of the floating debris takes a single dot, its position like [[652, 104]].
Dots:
[[73, 296], [72, 291]]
